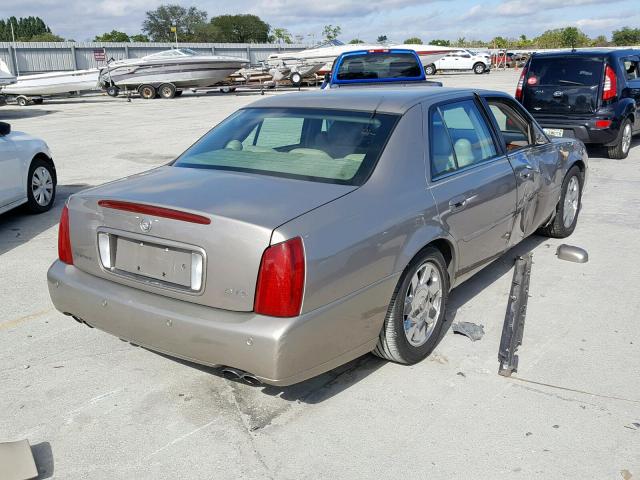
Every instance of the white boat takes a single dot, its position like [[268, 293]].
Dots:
[[325, 55], [6, 77], [182, 67], [54, 83]]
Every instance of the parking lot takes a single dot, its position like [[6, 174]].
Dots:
[[96, 407]]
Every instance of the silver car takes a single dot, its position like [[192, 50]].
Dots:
[[309, 229]]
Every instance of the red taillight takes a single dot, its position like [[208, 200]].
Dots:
[[64, 240], [281, 280], [155, 211], [521, 84], [379, 50], [610, 84], [603, 123]]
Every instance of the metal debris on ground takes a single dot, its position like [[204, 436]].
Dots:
[[468, 329], [513, 327], [571, 253]]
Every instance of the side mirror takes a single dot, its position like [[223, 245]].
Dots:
[[5, 129]]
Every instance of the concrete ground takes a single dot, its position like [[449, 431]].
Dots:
[[95, 407]]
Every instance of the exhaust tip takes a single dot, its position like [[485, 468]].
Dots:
[[231, 373]]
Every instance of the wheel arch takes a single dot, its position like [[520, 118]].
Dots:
[[49, 161]]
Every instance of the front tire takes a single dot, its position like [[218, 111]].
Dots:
[[415, 318], [479, 68], [41, 188], [620, 150], [147, 91], [113, 91], [296, 79], [568, 208], [430, 69]]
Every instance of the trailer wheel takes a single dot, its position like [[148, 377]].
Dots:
[[147, 91], [22, 101], [296, 79], [167, 90], [113, 91]]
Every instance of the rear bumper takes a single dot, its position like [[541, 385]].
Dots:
[[582, 129], [279, 351]]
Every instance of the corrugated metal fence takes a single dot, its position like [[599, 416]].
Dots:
[[37, 57]]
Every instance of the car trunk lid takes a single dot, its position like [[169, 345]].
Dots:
[[192, 234], [563, 85]]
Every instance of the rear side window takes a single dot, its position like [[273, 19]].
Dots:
[[514, 128], [574, 70], [630, 66], [459, 137]]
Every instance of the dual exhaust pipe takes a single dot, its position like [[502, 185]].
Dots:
[[236, 374]]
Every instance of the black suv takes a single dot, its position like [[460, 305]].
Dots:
[[591, 95]]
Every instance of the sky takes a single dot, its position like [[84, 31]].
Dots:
[[81, 20]]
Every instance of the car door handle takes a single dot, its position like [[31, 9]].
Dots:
[[526, 172], [458, 203]]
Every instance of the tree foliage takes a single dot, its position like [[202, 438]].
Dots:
[[243, 28], [112, 36], [355, 41], [158, 23], [440, 43], [329, 32], [280, 35], [626, 36], [381, 39], [413, 41], [25, 29]]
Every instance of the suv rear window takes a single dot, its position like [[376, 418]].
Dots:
[[331, 146], [565, 71]]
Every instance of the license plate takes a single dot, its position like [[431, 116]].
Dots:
[[154, 261], [554, 132]]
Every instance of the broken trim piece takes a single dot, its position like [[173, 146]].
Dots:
[[513, 327]]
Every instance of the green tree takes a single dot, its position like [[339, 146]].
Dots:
[[626, 36], [139, 37], [242, 28], [112, 36], [280, 35], [413, 41], [600, 41], [461, 42], [499, 42], [46, 37], [355, 41], [381, 39], [573, 37], [440, 43], [158, 23], [24, 29], [329, 32]]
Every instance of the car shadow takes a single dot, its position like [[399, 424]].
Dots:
[[18, 226], [7, 113], [600, 153], [327, 385], [43, 457]]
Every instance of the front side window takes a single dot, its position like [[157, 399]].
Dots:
[[308, 144], [459, 137], [514, 128]]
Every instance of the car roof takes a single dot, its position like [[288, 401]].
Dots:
[[391, 99], [589, 52]]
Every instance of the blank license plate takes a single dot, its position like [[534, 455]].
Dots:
[[554, 132], [154, 261]]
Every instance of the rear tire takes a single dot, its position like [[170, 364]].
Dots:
[[22, 101], [620, 150], [417, 300], [430, 69], [41, 186], [479, 68], [147, 91], [167, 90], [570, 202]]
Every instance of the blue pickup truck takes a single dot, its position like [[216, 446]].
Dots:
[[377, 66]]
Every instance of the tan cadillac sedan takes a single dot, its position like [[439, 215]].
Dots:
[[308, 229]]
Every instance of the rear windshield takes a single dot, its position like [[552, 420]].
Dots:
[[310, 144], [378, 66], [565, 71]]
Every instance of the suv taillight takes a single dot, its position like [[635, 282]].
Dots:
[[521, 84], [64, 240], [281, 280], [609, 91]]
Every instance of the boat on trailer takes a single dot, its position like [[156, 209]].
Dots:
[[166, 73]]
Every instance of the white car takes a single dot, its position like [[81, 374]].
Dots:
[[27, 172], [460, 60]]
